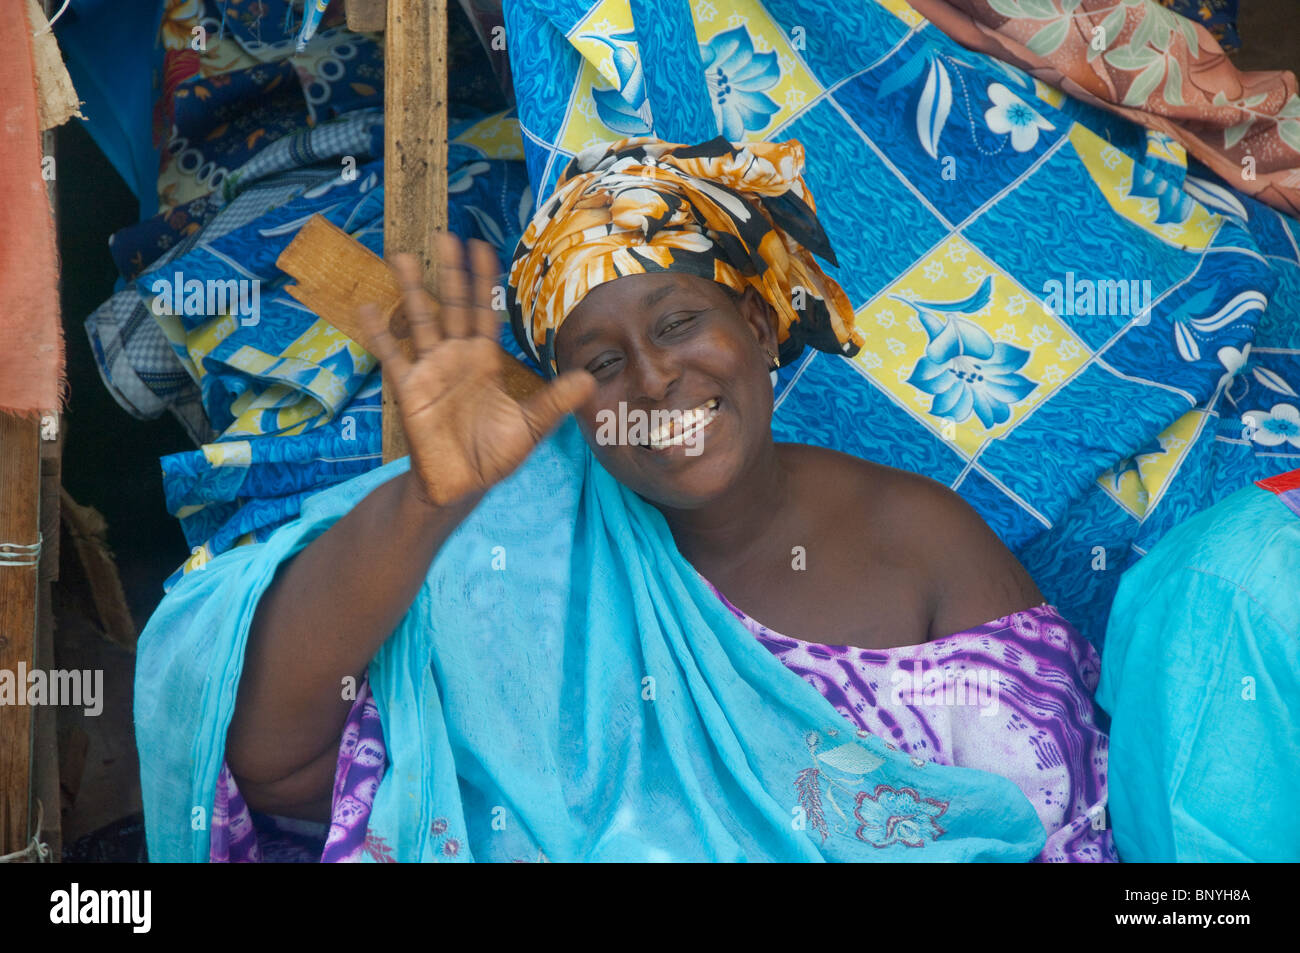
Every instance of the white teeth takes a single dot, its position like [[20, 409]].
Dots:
[[692, 422]]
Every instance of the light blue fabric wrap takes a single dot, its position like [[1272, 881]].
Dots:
[[1201, 677], [565, 686]]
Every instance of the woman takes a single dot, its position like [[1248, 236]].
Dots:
[[665, 282]]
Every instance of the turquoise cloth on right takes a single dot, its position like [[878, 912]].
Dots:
[[1201, 677]]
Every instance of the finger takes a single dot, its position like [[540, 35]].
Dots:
[[453, 288], [565, 394], [486, 269], [418, 306], [381, 343]]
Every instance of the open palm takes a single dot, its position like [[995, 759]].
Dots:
[[464, 430]]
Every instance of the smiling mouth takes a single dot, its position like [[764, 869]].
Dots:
[[684, 426]]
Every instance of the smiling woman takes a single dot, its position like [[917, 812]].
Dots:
[[664, 282], [676, 276]]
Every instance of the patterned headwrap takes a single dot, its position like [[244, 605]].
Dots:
[[739, 215]]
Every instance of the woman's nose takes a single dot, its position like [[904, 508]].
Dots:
[[655, 372]]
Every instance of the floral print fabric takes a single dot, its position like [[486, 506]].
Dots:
[[1147, 63], [738, 215]]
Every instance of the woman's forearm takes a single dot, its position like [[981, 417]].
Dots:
[[320, 622], [330, 609]]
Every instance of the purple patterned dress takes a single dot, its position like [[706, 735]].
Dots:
[[1013, 696]]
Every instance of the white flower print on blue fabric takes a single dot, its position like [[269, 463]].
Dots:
[[1011, 114], [1274, 428]]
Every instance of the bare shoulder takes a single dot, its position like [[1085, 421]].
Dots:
[[899, 498], [971, 576]]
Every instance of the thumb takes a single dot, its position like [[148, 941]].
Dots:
[[566, 393]]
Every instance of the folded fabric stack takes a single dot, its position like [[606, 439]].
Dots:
[[286, 374], [1081, 336], [262, 138]]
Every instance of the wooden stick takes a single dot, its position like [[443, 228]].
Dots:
[[415, 150], [88, 533]]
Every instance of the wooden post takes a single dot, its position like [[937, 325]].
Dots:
[[415, 151], [45, 786], [27, 515], [45, 721], [20, 474]]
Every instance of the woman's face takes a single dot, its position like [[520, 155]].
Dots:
[[664, 343]]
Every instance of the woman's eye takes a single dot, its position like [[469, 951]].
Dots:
[[678, 322], [592, 369]]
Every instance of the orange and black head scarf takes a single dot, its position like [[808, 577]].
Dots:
[[740, 215]]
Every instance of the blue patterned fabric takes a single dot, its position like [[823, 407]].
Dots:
[[982, 222], [249, 87], [303, 158], [138, 365], [296, 401], [263, 133], [224, 120], [1221, 445], [706, 766], [256, 367], [238, 491]]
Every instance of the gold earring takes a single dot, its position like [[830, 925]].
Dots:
[[776, 359]]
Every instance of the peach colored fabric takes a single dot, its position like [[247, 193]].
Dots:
[[1212, 101], [31, 336]]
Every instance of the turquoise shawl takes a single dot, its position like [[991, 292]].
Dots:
[[565, 687], [1201, 678]]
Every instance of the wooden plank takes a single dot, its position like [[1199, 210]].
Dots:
[[415, 149], [20, 454], [336, 275], [366, 16], [46, 798]]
